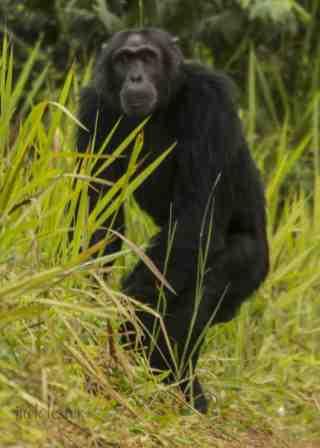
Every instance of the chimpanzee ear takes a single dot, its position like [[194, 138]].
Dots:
[[175, 51]]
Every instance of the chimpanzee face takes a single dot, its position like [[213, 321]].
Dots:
[[138, 65], [139, 71]]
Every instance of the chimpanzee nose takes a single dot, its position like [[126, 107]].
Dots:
[[135, 77]]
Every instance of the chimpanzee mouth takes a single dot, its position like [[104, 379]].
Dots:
[[137, 105], [138, 102], [139, 108]]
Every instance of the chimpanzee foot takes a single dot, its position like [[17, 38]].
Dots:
[[196, 396]]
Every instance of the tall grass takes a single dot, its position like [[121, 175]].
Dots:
[[42, 181], [59, 353]]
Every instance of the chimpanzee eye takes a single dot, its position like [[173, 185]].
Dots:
[[148, 57], [122, 59]]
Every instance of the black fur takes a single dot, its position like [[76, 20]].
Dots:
[[211, 155]]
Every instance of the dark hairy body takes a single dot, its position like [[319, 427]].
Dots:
[[140, 73]]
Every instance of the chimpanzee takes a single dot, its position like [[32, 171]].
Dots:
[[208, 185]]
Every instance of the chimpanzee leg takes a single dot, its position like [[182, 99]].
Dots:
[[235, 272]]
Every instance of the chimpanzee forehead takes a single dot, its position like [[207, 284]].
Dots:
[[135, 40], [137, 37], [139, 41]]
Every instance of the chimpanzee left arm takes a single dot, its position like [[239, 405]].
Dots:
[[238, 252]]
